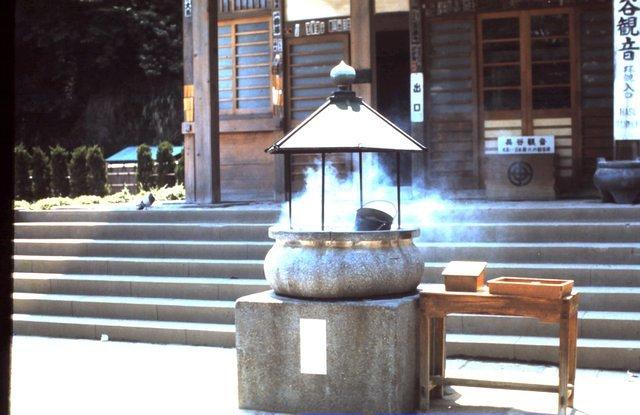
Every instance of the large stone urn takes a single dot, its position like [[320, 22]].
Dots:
[[618, 181], [332, 265]]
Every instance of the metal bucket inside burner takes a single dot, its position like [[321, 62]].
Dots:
[[370, 219]]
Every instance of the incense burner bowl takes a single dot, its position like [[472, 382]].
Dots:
[[618, 181], [338, 265]]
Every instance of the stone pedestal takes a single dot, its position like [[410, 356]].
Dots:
[[519, 176], [370, 361]]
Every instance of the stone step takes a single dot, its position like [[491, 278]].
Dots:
[[609, 298], [165, 332], [592, 324], [143, 248], [137, 286], [594, 275], [531, 232], [610, 253], [559, 210], [592, 298], [550, 252], [134, 308], [267, 213], [437, 232], [176, 267], [142, 231], [592, 353], [544, 211]]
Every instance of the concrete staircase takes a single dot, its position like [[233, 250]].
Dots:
[[168, 276], [172, 276]]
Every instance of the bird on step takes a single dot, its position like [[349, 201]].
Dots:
[[146, 202]]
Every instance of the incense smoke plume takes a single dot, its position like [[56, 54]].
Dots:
[[342, 199]]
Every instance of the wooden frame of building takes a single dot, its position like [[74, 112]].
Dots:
[[490, 67]]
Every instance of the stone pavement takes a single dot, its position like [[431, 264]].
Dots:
[[81, 377]]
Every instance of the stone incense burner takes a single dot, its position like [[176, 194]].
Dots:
[[323, 264]]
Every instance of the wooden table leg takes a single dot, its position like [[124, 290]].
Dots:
[[563, 363], [438, 355], [424, 350], [573, 353]]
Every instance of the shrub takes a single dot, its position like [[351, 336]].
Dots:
[[179, 172], [22, 180], [41, 173], [97, 168], [78, 171], [144, 175], [166, 164], [59, 171]]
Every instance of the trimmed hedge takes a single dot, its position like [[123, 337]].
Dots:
[[59, 171], [166, 164], [144, 175], [22, 179], [97, 172], [41, 173], [79, 172]]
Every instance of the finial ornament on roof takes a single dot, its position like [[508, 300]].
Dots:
[[342, 74]]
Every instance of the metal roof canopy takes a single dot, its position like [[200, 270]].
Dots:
[[130, 154], [343, 124]]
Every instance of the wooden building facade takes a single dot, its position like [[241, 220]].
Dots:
[[490, 68]]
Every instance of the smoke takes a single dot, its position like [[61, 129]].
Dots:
[[419, 207]]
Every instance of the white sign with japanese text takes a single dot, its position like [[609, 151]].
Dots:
[[417, 97], [626, 85], [531, 144]]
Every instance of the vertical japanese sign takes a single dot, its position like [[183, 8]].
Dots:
[[417, 97], [626, 84]]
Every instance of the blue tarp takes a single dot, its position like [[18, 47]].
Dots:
[[130, 154]]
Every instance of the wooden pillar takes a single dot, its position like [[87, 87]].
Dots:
[[187, 126], [362, 48], [417, 87], [206, 123], [277, 68]]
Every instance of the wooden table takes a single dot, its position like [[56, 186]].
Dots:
[[436, 303]]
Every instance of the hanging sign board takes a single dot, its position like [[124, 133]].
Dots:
[[626, 84], [531, 144], [417, 97], [188, 8]]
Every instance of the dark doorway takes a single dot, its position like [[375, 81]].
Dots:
[[392, 86]]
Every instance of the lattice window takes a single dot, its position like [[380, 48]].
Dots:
[[244, 66], [230, 6], [310, 61], [540, 43]]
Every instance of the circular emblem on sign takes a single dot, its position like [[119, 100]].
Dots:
[[520, 173]]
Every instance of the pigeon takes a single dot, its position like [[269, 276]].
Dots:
[[146, 202]]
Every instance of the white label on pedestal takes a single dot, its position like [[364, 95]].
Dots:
[[313, 346]]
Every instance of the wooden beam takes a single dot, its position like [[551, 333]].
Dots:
[[363, 47], [206, 123], [187, 65], [479, 383]]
